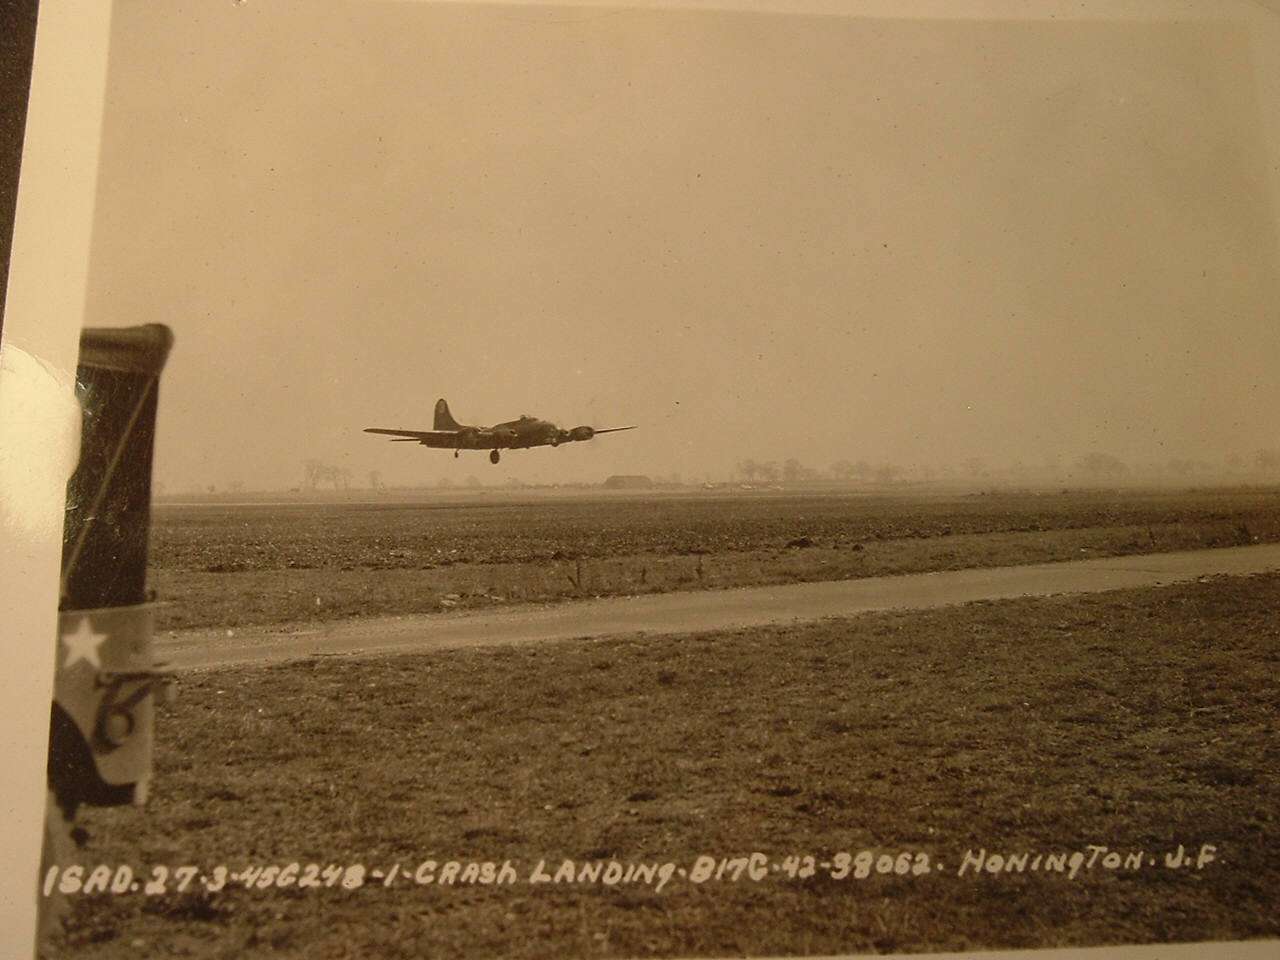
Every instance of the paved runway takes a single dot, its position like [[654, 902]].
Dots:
[[701, 610]]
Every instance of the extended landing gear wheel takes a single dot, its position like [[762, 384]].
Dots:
[[455, 454], [493, 456]]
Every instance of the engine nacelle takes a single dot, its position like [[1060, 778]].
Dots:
[[581, 433]]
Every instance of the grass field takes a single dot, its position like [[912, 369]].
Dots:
[[240, 565], [1140, 720]]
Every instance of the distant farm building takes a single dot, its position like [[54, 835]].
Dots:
[[627, 482]]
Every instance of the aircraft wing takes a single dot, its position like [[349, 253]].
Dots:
[[615, 429], [422, 436]]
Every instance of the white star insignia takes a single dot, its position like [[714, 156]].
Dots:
[[84, 644]]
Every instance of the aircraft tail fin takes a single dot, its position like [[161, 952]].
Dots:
[[444, 419]]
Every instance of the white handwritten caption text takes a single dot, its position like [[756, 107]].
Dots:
[[705, 869]]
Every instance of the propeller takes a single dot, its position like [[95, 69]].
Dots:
[[586, 433]]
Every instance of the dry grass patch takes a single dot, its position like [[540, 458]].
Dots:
[[1136, 719]]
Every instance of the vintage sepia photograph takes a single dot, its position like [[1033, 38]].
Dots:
[[593, 480]]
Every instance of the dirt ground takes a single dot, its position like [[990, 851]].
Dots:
[[1006, 738], [234, 565]]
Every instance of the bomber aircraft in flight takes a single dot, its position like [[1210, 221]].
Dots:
[[512, 435]]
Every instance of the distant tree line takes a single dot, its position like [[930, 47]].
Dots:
[[1095, 467], [316, 472], [793, 471]]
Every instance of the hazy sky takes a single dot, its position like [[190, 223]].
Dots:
[[753, 235]]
